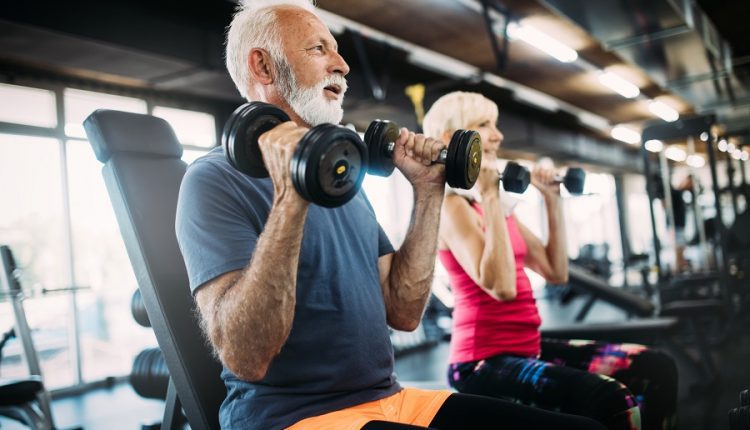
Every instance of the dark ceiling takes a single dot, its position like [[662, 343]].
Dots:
[[730, 17], [176, 47]]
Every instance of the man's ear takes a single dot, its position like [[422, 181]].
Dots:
[[260, 65]]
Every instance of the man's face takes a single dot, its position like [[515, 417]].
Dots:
[[310, 77]]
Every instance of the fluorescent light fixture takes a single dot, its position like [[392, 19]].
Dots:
[[654, 145], [695, 161], [594, 121], [731, 147], [722, 145], [663, 111], [744, 156], [704, 136], [737, 154], [625, 134], [535, 98], [537, 39], [619, 85], [442, 64], [495, 80], [675, 153]]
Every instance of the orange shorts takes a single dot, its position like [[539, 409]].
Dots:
[[408, 406]]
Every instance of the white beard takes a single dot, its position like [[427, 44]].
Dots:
[[311, 103]]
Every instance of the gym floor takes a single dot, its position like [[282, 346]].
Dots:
[[119, 408]]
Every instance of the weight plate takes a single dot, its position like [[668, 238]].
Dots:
[[241, 132], [328, 165], [464, 159], [377, 137]]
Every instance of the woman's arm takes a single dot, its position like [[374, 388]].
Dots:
[[486, 256]]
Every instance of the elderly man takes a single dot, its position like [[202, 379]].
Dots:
[[296, 299]]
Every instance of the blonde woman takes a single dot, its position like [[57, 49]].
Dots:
[[496, 348]]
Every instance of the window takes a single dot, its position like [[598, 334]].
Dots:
[[190, 155], [31, 223], [192, 128], [58, 220], [30, 106], [79, 104], [392, 201]]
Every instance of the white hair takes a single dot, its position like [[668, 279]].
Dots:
[[254, 25], [457, 110]]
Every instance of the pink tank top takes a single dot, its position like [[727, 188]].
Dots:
[[484, 327]]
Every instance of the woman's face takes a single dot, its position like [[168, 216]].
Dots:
[[492, 138]]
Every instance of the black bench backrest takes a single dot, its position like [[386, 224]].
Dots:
[[143, 171]]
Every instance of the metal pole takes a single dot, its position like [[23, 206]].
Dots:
[[624, 235], [719, 218], [668, 207], [651, 197], [697, 210], [743, 185], [74, 342], [730, 184]]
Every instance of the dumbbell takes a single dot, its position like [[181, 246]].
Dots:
[[462, 157], [328, 164], [517, 178]]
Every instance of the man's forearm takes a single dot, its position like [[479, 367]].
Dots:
[[557, 252], [261, 301], [413, 265]]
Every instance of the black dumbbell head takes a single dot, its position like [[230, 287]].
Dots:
[[464, 159], [328, 165], [377, 137], [138, 309], [574, 180], [516, 178], [241, 132]]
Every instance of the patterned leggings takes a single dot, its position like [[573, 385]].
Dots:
[[619, 385]]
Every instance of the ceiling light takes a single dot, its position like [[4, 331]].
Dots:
[[495, 80], [744, 156], [663, 111], [722, 145], [536, 98], [675, 153], [654, 145], [442, 64], [594, 121], [731, 147], [619, 85], [704, 136], [695, 161], [625, 134], [542, 42]]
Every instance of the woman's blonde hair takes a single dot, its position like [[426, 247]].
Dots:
[[456, 110]]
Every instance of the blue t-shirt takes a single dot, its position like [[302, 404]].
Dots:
[[339, 352]]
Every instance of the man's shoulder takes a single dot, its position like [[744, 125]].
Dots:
[[213, 169], [212, 163]]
